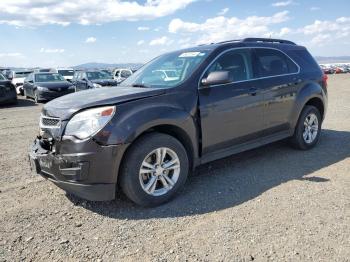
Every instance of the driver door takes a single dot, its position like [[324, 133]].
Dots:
[[231, 113]]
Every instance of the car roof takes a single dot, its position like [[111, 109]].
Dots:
[[246, 42]]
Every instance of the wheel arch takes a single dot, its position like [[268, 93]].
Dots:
[[312, 94]]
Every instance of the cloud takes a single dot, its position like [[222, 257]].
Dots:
[[222, 28], [66, 12], [161, 41], [283, 3], [57, 50], [2, 55], [143, 28], [325, 31], [314, 8], [224, 11], [90, 40], [141, 42]]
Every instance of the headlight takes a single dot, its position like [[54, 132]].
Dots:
[[89, 122], [41, 88], [96, 85]]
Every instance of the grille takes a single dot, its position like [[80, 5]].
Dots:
[[50, 122]]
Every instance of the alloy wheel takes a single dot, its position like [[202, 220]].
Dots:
[[159, 171], [310, 128]]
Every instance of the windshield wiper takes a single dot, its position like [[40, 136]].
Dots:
[[139, 85]]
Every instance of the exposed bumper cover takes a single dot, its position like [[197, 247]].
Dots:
[[90, 174]]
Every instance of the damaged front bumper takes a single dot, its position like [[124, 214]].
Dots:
[[83, 168]]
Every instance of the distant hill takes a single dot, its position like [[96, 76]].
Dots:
[[332, 59], [107, 66]]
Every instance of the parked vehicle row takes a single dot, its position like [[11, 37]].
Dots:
[[336, 69], [31, 83]]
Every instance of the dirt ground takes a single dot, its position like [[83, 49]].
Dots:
[[272, 203]]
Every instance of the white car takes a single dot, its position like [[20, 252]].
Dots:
[[121, 74], [67, 73], [17, 79]]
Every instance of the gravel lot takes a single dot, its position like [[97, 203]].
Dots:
[[272, 203]]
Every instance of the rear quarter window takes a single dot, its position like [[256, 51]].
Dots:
[[271, 62], [305, 60]]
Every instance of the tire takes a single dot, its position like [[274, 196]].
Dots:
[[299, 140], [36, 97], [25, 94], [134, 180]]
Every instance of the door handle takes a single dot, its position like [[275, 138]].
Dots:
[[253, 91]]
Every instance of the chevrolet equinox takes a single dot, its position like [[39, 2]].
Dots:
[[149, 133]]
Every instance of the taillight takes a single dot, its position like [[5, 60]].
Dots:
[[324, 80]]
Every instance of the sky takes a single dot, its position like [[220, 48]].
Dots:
[[51, 33]]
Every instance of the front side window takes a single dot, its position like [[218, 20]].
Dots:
[[182, 63], [49, 78], [21, 74], [238, 62], [271, 62]]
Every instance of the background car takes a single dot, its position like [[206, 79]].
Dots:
[[121, 74], [46, 86], [83, 80], [17, 79], [7, 91], [67, 73]]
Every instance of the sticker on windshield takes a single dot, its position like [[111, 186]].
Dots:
[[190, 54]]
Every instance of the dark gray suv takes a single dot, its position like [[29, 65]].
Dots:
[[148, 134]]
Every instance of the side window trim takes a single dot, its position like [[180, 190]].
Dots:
[[254, 58]]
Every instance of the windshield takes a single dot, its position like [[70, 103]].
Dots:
[[49, 78], [2, 77], [22, 74], [66, 72], [179, 65], [98, 75]]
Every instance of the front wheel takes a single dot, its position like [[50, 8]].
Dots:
[[308, 129], [36, 97], [154, 169]]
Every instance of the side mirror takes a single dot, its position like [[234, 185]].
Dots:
[[30, 81], [217, 78]]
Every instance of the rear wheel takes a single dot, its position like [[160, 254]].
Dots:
[[36, 97], [25, 94], [154, 169], [308, 129]]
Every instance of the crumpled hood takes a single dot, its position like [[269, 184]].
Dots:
[[63, 107]]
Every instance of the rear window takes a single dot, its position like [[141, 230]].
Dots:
[[271, 62], [305, 60], [66, 72]]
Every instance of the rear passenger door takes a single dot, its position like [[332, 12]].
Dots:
[[231, 113], [278, 79]]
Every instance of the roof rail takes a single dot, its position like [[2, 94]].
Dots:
[[268, 40]]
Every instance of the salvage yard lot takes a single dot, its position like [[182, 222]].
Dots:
[[273, 202]]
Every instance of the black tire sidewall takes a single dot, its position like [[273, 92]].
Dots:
[[129, 179], [298, 136]]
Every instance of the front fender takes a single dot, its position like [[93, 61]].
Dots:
[[134, 118], [305, 94]]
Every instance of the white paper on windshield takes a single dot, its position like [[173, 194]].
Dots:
[[189, 54]]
